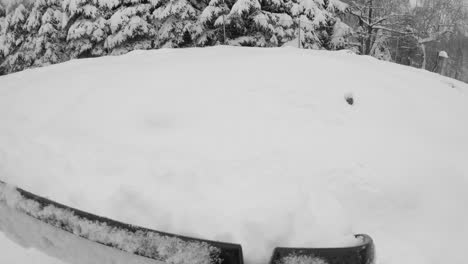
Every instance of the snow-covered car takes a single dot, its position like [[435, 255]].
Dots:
[[262, 148], [80, 237]]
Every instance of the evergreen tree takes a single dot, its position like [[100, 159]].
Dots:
[[244, 20], [2, 25], [131, 27], [340, 39], [176, 21], [276, 23], [51, 31], [46, 42], [86, 28], [252, 22], [318, 23], [14, 35], [211, 22]]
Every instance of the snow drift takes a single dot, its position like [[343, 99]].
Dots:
[[252, 146]]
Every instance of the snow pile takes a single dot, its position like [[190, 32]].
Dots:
[[169, 250], [443, 54], [252, 146]]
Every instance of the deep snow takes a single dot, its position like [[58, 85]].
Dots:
[[245, 145]]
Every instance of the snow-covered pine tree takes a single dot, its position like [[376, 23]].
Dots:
[[278, 25], [14, 34], [176, 21], [86, 27], [131, 26], [46, 37], [259, 23], [318, 23], [2, 25], [211, 22], [337, 32], [340, 37], [242, 26]]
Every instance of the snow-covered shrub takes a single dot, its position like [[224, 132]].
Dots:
[[380, 48], [341, 34]]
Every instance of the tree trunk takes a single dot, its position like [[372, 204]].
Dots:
[[424, 62], [369, 28]]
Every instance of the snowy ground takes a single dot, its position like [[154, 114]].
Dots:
[[244, 145], [14, 254]]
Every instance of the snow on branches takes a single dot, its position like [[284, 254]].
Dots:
[[130, 28], [50, 31], [176, 21]]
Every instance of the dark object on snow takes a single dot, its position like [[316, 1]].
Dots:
[[349, 99], [227, 253], [362, 254]]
